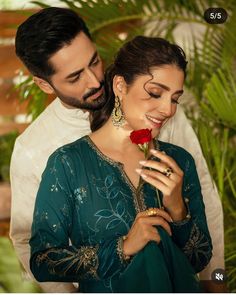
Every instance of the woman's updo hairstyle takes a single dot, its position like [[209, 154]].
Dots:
[[136, 58]]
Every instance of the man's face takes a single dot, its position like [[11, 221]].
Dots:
[[78, 80]]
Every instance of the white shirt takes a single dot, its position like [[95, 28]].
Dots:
[[57, 126]]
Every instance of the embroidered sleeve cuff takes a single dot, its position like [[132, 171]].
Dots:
[[181, 229], [124, 259], [188, 215]]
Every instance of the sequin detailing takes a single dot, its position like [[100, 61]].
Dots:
[[80, 194], [119, 249]]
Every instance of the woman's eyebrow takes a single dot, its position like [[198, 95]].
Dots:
[[166, 87]]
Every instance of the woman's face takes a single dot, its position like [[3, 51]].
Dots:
[[149, 103]]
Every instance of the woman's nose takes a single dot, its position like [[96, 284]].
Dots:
[[165, 106]]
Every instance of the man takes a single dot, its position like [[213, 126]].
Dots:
[[56, 47]]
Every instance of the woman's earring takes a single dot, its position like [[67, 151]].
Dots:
[[117, 116]]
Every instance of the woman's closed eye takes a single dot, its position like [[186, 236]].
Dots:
[[154, 95], [176, 99]]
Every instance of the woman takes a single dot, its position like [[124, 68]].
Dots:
[[107, 217]]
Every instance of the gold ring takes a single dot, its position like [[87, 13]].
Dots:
[[151, 212], [168, 171]]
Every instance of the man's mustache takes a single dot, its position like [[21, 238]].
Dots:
[[93, 91]]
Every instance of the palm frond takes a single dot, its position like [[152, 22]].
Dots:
[[220, 95], [29, 91]]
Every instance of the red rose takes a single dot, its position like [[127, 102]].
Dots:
[[141, 136]]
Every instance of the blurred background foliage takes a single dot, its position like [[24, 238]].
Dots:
[[11, 278], [210, 83], [6, 146]]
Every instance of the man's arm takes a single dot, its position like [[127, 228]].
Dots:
[[179, 131], [24, 187]]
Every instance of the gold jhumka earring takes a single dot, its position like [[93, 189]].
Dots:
[[117, 115]]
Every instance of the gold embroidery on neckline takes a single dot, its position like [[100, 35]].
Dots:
[[138, 197]]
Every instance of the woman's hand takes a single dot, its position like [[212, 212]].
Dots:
[[168, 178], [143, 230]]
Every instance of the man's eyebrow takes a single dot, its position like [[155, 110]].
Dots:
[[76, 73], [166, 87]]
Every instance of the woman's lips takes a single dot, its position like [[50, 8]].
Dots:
[[155, 122]]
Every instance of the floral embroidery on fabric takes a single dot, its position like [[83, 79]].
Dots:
[[80, 193], [56, 227], [85, 257], [197, 248], [65, 211], [115, 213], [65, 160]]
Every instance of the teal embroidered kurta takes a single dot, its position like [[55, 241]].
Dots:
[[86, 203]]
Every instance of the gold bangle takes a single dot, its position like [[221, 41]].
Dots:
[[120, 250]]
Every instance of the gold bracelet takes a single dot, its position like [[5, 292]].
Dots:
[[120, 250]]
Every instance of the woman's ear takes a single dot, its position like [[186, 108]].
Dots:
[[119, 85], [43, 85]]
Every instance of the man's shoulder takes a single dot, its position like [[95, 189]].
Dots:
[[37, 127], [34, 141]]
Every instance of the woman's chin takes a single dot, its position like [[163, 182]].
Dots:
[[155, 133]]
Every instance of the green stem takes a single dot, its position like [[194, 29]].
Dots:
[[158, 199]]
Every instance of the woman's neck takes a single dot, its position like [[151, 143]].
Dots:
[[112, 137]]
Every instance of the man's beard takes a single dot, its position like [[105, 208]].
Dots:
[[93, 105]]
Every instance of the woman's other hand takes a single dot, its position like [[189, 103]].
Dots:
[[143, 230], [168, 178]]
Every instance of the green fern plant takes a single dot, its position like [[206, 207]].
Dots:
[[217, 133]]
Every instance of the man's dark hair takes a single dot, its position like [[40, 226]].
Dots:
[[43, 34]]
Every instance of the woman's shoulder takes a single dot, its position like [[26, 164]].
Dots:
[[176, 152], [71, 150]]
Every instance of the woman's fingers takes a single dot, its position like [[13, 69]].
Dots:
[[158, 166], [149, 221], [144, 229], [167, 180], [155, 236], [167, 160], [158, 220], [163, 187]]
